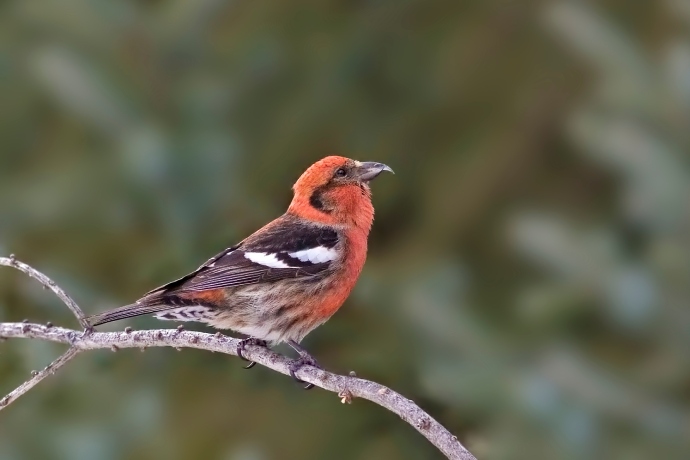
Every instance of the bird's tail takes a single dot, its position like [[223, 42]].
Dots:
[[128, 311]]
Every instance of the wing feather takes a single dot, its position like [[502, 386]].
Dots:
[[284, 242], [288, 248]]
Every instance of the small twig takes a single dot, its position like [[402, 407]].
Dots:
[[48, 283], [346, 387], [37, 376]]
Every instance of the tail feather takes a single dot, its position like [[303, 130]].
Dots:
[[128, 311]]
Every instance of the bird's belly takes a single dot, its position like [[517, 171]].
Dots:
[[274, 313]]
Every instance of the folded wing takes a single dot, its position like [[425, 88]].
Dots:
[[285, 249]]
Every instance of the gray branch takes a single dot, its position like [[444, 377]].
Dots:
[[49, 284], [37, 376], [346, 387]]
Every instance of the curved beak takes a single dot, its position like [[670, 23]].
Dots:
[[369, 170]]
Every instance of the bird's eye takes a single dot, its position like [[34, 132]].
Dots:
[[340, 172]]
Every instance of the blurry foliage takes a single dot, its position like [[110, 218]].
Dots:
[[528, 272]]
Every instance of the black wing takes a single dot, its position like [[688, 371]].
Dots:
[[279, 251], [286, 248]]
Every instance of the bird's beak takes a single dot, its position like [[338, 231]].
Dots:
[[368, 170]]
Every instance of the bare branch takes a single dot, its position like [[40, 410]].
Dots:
[[346, 387], [48, 283], [37, 376]]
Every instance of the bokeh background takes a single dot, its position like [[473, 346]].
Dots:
[[529, 273]]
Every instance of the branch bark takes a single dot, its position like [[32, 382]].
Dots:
[[346, 387]]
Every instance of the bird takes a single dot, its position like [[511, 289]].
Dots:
[[288, 277]]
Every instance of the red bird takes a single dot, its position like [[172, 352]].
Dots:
[[287, 278]]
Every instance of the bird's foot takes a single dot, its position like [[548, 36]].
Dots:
[[305, 359], [249, 341]]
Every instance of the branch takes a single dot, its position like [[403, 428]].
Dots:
[[37, 376], [346, 387], [49, 284]]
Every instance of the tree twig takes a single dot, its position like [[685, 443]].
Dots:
[[48, 283], [346, 387], [37, 376]]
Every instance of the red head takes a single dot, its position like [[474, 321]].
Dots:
[[335, 191]]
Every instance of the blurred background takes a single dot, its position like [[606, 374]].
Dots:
[[528, 281]]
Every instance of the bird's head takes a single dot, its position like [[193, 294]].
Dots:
[[335, 190]]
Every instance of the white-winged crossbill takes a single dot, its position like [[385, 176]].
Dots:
[[288, 277]]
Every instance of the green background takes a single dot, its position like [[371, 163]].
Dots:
[[529, 267]]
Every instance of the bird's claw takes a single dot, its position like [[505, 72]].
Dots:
[[249, 341], [304, 360]]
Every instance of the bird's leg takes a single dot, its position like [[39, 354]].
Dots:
[[249, 341], [305, 359]]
